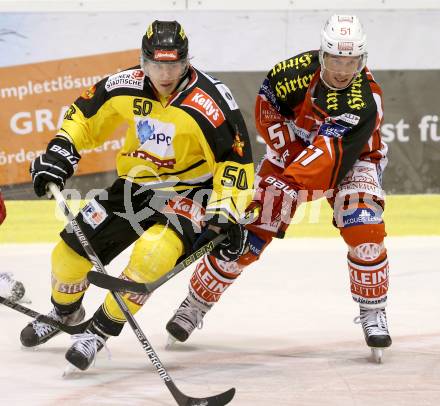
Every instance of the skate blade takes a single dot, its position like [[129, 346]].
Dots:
[[70, 371], [377, 354], [171, 341]]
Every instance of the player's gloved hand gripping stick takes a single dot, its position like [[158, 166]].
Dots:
[[181, 399]]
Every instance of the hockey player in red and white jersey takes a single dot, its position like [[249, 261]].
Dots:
[[10, 288], [319, 113]]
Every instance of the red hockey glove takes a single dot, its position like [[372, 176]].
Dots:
[[2, 209], [276, 200]]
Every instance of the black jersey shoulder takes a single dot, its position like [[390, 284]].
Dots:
[[129, 82], [354, 113], [289, 80], [357, 99], [211, 104]]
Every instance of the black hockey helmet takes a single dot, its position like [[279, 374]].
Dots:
[[165, 41]]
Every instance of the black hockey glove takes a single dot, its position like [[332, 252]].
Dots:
[[56, 165], [229, 249]]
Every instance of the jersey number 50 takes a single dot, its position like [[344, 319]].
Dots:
[[234, 176]]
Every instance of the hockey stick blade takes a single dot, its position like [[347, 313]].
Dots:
[[217, 400], [115, 284], [75, 329]]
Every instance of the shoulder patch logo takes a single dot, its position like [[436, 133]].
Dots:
[[202, 102], [93, 214], [227, 95], [89, 93], [133, 79], [238, 145]]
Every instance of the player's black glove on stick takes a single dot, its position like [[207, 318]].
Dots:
[[56, 165], [232, 247]]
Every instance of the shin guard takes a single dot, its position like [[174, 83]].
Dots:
[[367, 264], [211, 278], [154, 254], [69, 275]]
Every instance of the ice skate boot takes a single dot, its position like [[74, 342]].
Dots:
[[37, 332], [187, 317], [375, 326], [85, 346], [10, 288]]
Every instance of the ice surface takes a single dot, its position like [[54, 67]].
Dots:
[[282, 335]]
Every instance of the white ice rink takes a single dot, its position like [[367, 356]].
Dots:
[[282, 335]]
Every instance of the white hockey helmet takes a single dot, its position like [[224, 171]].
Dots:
[[343, 35]]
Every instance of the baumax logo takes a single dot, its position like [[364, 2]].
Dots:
[[203, 103]]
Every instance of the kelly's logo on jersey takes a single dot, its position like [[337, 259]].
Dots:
[[202, 102], [238, 145]]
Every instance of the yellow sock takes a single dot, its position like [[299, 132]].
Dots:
[[69, 270]]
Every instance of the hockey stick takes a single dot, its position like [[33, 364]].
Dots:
[[181, 399], [117, 284], [75, 329]]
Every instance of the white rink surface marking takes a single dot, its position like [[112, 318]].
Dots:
[[282, 335]]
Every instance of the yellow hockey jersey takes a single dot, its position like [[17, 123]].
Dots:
[[196, 138]]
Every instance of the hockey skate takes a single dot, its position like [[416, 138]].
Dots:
[[10, 288], [375, 326], [187, 317], [37, 332], [85, 347]]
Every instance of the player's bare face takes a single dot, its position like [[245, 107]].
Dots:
[[165, 76], [339, 71]]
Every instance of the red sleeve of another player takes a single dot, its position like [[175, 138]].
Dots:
[[316, 167], [2, 209], [271, 124]]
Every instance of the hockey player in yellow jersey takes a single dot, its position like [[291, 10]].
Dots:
[[185, 173]]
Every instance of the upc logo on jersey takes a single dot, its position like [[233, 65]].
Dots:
[[204, 104], [93, 214], [156, 139]]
